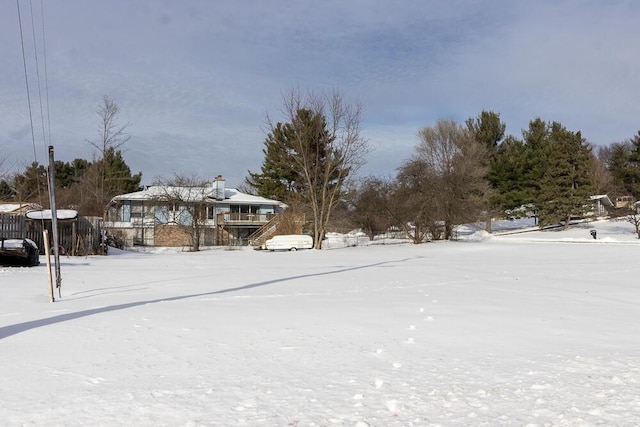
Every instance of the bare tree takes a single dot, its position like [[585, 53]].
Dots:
[[6, 182], [631, 214], [111, 134], [369, 203], [3, 173], [182, 202], [413, 202], [635, 220], [456, 165], [602, 178], [111, 137], [327, 148]]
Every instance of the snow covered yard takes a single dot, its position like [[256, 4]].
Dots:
[[525, 329]]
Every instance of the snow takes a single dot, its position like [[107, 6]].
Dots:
[[61, 214], [17, 243], [12, 243], [537, 329], [9, 207], [196, 194]]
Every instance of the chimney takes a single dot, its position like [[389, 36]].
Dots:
[[219, 187]]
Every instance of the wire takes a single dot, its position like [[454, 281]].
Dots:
[[35, 55], [46, 74], [26, 79]]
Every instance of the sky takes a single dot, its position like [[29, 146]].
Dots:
[[195, 81], [529, 329]]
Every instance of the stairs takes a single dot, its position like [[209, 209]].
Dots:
[[263, 233]]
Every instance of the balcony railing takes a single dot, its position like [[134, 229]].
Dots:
[[237, 218]]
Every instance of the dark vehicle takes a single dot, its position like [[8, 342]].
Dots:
[[19, 252]]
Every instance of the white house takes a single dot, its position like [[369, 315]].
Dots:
[[159, 215]]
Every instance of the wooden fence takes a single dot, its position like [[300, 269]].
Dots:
[[79, 236]]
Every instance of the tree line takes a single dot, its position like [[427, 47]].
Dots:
[[84, 185], [457, 172]]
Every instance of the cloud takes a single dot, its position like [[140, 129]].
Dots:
[[201, 76]]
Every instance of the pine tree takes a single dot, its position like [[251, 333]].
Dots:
[[617, 164], [277, 178], [567, 182], [507, 175], [310, 157], [632, 171], [118, 177]]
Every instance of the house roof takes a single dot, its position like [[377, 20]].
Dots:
[[61, 214], [231, 195], [604, 199], [17, 207]]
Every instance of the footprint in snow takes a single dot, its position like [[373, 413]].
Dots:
[[392, 405], [94, 380]]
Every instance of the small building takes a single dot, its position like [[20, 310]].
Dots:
[[17, 208], [164, 215], [77, 235], [624, 202], [601, 204]]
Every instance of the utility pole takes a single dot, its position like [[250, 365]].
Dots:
[[54, 219]]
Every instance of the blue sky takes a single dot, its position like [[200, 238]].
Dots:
[[195, 80]]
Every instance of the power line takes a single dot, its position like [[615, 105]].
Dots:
[[26, 79]]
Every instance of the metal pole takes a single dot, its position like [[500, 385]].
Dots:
[[54, 219]]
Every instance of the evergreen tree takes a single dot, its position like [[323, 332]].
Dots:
[[487, 129], [507, 175], [277, 178], [632, 171], [304, 140], [6, 192], [567, 181], [32, 184], [310, 157], [118, 177], [617, 157]]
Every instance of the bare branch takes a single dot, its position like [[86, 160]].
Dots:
[[111, 135]]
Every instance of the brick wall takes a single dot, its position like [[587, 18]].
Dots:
[[172, 235]]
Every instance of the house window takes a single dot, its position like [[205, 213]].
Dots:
[[126, 211], [173, 213], [162, 214], [137, 209], [183, 216]]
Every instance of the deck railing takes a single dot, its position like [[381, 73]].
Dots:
[[247, 218]]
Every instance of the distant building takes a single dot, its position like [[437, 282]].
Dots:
[[18, 208], [624, 202], [159, 215], [601, 204], [77, 235]]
